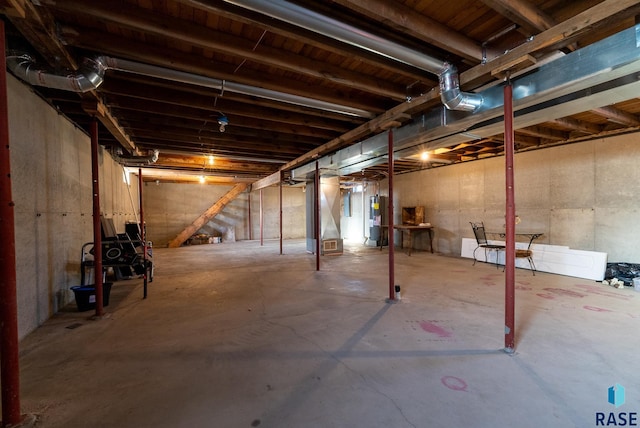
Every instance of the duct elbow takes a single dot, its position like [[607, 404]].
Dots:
[[462, 101], [89, 77], [154, 156], [451, 95], [150, 158]]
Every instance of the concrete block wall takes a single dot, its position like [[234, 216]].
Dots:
[[583, 195], [170, 207], [293, 213], [52, 191]]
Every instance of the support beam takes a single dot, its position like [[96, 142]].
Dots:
[[97, 229], [522, 12], [40, 29], [560, 35], [577, 125], [510, 220], [249, 216], [143, 235], [13, 8], [99, 110], [280, 188], [267, 181], [210, 213], [398, 113], [316, 217], [541, 132], [142, 20], [310, 38], [406, 21], [9, 357], [261, 220], [392, 276], [617, 116]]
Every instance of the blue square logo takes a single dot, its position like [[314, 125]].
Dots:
[[616, 395]]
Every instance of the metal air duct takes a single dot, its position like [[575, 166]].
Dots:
[[152, 157], [223, 85], [91, 75], [452, 97], [88, 78], [299, 16], [603, 73]]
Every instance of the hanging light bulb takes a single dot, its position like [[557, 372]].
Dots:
[[223, 122], [211, 159]]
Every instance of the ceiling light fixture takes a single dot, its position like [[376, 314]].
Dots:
[[424, 156], [201, 179], [223, 121], [211, 159]]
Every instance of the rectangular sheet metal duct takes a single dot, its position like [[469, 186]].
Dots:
[[603, 73]]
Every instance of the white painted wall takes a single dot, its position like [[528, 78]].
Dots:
[[51, 186]]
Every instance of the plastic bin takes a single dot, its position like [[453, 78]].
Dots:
[[86, 296]]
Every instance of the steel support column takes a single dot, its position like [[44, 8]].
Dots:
[[261, 221], [316, 217], [510, 221], [143, 235], [97, 231], [249, 215], [280, 212], [392, 274], [9, 357]]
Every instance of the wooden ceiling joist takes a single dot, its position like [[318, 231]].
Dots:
[[577, 125], [617, 116], [406, 20], [14, 8], [232, 44], [523, 13]]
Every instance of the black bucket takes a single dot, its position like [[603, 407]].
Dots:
[[86, 296]]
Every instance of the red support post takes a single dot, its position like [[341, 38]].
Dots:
[[510, 222], [9, 356], [143, 235], [97, 231], [392, 275], [261, 221], [316, 217], [280, 212], [249, 215]]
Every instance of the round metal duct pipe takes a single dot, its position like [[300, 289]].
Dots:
[[293, 14], [88, 78], [321, 24], [91, 76]]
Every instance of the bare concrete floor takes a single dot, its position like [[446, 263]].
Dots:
[[236, 335]]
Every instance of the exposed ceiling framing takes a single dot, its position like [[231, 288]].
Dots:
[[231, 43]]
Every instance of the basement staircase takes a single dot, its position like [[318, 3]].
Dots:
[[210, 213]]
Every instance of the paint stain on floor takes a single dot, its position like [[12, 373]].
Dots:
[[563, 292], [431, 327]]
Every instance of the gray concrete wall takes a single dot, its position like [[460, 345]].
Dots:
[[51, 172], [170, 207], [584, 195]]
